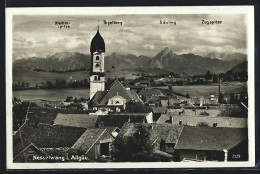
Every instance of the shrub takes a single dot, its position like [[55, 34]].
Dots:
[[203, 124], [204, 113]]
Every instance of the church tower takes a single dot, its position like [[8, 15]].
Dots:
[[97, 74]]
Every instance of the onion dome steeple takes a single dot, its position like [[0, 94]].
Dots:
[[97, 43]]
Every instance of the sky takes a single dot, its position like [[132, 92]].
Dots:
[[37, 35]]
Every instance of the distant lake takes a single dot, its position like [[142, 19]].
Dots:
[[51, 94]]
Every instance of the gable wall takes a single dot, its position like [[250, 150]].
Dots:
[[94, 152]]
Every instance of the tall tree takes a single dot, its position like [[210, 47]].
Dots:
[[134, 148], [208, 75], [220, 97]]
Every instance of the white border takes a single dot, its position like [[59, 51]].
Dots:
[[249, 10]]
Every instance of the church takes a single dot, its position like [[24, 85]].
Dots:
[[116, 96]]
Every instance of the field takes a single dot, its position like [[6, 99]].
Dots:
[[50, 94], [21, 74], [28, 75], [202, 90]]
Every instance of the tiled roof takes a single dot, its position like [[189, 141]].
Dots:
[[19, 146], [164, 97], [153, 98], [116, 88], [97, 96], [208, 101], [174, 100], [150, 92], [76, 120], [51, 136], [111, 129], [160, 110], [119, 120], [135, 87], [88, 138], [210, 138], [145, 81], [169, 132], [133, 95], [195, 101], [193, 120], [48, 115]]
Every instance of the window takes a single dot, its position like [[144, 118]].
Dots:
[[97, 57], [117, 102], [96, 78], [97, 65]]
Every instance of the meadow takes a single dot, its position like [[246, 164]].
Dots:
[[202, 90], [51, 94], [22, 74]]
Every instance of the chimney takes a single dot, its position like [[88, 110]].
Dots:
[[180, 122], [171, 119], [225, 155]]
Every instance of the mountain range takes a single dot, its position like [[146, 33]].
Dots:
[[227, 56], [166, 60]]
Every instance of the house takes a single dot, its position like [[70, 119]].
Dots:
[[157, 112], [95, 143], [211, 101], [114, 99], [175, 101], [195, 101], [144, 83], [135, 88], [164, 136], [61, 133], [23, 151], [152, 100], [150, 94], [63, 139], [212, 144], [164, 103]]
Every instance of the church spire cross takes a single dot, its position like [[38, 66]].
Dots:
[[98, 26]]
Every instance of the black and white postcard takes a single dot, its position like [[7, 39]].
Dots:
[[130, 87]]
